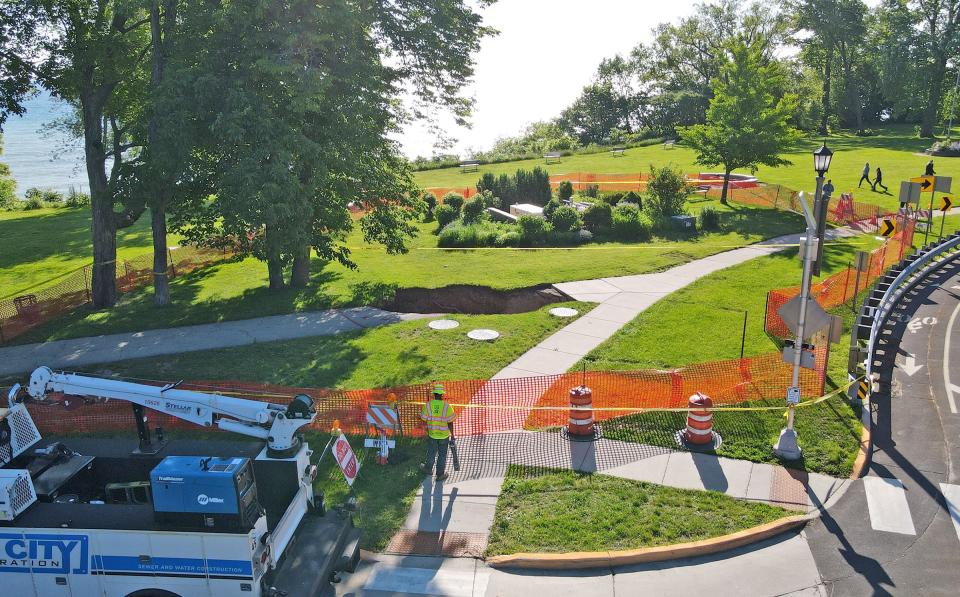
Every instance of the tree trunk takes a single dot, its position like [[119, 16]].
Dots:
[[159, 40], [825, 114], [161, 270], [726, 183], [274, 259], [300, 273], [929, 122], [103, 228]]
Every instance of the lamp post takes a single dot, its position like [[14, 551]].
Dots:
[[810, 245]]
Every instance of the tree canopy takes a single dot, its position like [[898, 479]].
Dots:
[[746, 125]]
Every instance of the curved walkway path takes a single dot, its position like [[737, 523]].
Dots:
[[134, 345]]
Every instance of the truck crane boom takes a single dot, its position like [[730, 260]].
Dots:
[[278, 425]]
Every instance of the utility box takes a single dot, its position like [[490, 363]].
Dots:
[[684, 222], [205, 491]]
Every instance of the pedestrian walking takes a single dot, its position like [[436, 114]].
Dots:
[[878, 181], [865, 176], [439, 416], [929, 171], [828, 189]]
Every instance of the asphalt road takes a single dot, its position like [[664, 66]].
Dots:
[[892, 533]]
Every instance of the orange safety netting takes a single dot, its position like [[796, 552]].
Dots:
[[31, 308], [488, 406], [835, 290]]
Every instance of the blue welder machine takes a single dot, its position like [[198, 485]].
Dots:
[[211, 492]]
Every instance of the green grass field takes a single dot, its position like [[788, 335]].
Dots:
[[36, 247], [398, 354], [894, 150], [238, 289], [563, 511]]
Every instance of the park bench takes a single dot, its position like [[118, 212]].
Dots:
[[669, 143], [617, 151], [552, 155], [469, 165]]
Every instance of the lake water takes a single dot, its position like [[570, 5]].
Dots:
[[38, 158]]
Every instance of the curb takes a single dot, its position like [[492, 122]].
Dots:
[[866, 442], [605, 559]]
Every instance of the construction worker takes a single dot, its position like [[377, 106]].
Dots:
[[439, 417]]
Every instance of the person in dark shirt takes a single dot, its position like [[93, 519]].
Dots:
[[878, 181], [929, 171]]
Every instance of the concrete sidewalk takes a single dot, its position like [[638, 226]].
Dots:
[[104, 349]]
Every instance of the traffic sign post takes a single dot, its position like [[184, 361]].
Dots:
[[946, 202], [888, 227], [346, 459], [934, 184]]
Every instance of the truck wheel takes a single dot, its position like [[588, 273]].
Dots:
[[152, 593]]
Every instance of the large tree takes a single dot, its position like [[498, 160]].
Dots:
[[940, 20], [746, 125], [92, 54], [294, 106]]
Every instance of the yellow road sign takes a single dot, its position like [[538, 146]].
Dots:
[[888, 227], [926, 182], [946, 202]]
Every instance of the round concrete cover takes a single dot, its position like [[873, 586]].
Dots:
[[486, 335], [443, 324], [563, 312]]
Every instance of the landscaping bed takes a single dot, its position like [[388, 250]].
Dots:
[[557, 511]]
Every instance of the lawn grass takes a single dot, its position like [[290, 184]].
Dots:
[[38, 245], [238, 289], [391, 355], [704, 322], [564, 511], [894, 150], [383, 494]]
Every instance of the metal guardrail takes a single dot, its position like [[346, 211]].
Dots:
[[885, 295]]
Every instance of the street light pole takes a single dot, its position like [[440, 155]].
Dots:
[[787, 447]]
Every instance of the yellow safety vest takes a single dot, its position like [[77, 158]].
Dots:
[[437, 413]]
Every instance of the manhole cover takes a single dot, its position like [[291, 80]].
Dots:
[[485, 335], [563, 312], [443, 324]]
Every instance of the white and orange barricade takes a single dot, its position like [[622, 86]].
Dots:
[[699, 432], [581, 421], [382, 418]]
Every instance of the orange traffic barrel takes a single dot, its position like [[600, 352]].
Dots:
[[699, 429], [581, 411]]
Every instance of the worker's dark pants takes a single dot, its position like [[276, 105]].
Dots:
[[879, 183], [864, 178], [437, 450]]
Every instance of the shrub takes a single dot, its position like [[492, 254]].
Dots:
[[551, 206], [33, 202], [77, 199], [430, 200], [584, 236], [598, 217], [475, 211], [527, 186], [565, 219], [634, 198], [592, 191], [482, 234], [446, 214], [667, 192], [629, 224], [510, 238], [612, 199], [709, 219], [454, 200], [33, 193], [565, 190], [532, 229]]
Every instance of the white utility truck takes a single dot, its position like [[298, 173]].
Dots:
[[111, 517]]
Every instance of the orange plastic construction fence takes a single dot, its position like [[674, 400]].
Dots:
[[842, 286], [488, 406]]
